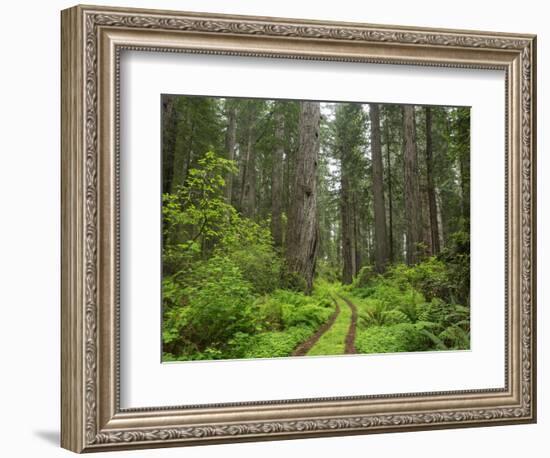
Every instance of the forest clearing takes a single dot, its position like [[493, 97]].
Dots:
[[300, 228]]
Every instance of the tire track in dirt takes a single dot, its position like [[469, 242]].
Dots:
[[307, 345], [350, 337]]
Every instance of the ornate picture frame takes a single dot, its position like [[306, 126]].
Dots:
[[92, 41]]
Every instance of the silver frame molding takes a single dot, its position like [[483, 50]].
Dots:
[[92, 40]]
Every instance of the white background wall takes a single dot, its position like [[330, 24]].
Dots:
[[29, 228]]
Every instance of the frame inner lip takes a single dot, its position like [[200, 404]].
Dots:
[[273, 403]]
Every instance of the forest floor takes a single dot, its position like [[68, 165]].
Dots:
[[305, 347], [350, 337], [337, 336]]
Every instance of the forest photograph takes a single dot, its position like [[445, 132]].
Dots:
[[311, 228]]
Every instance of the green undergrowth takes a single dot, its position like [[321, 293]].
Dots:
[[332, 342], [225, 293], [261, 326], [409, 308]]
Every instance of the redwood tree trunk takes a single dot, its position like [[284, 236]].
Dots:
[[183, 150], [463, 143], [230, 142], [380, 236], [249, 179], [348, 239], [434, 227], [413, 215], [303, 226], [390, 196], [277, 179], [169, 124], [356, 236]]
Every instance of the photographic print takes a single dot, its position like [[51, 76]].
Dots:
[[307, 228]]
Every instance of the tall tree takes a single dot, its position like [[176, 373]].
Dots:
[[432, 205], [349, 128], [387, 141], [277, 177], [462, 128], [230, 143], [349, 267], [248, 194], [291, 136], [413, 209], [357, 236], [183, 144], [302, 232], [380, 236], [198, 131], [169, 124], [377, 204]]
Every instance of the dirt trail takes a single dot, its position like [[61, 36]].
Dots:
[[350, 337], [305, 346]]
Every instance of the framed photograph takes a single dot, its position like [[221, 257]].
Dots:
[[279, 228]]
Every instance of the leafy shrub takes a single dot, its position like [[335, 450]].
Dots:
[[233, 324], [173, 298], [269, 312], [199, 223], [269, 344], [364, 277], [217, 304], [215, 263], [197, 214], [168, 357], [292, 280], [373, 313], [288, 309], [392, 339], [455, 338], [284, 320], [387, 294], [259, 265], [429, 277], [450, 327], [395, 316], [327, 271], [433, 310], [456, 256], [422, 296], [312, 315]]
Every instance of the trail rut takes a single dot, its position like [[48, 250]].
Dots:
[[350, 337], [307, 345]]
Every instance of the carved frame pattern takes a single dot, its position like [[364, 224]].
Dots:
[[82, 398]]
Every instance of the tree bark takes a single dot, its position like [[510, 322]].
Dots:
[[463, 139], [249, 179], [413, 214], [439, 214], [277, 179], [348, 242], [389, 181], [183, 149], [380, 236], [169, 124], [434, 227], [358, 235], [303, 226], [426, 239], [230, 143]]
